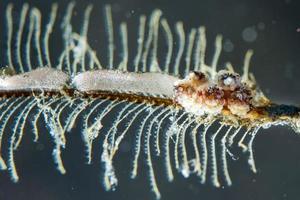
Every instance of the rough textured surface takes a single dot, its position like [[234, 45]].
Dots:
[[202, 95], [41, 78], [152, 83]]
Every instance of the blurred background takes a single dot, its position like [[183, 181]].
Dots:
[[270, 28]]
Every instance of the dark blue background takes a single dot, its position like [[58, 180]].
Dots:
[[276, 65]]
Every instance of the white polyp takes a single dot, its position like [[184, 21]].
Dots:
[[197, 163], [197, 51], [159, 128], [48, 32], [86, 18], [20, 122], [57, 133], [9, 21], [98, 124], [122, 115], [214, 166], [14, 144], [67, 30], [110, 35], [154, 19], [124, 39], [172, 130], [19, 35], [37, 33], [185, 169], [245, 76], [111, 133], [140, 42], [121, 136], [89, 133], [102, 113], [94, 59], [229, 67], [202, 48], [2, 162], [4, 117], [156, 131], [110, 180], [109, 80], [251, 160], [166, 146], [179, 142], [231, 137], [83, 35], [4, 111], [189, 50], [36, 117], [22, 126], [40, 79], [68, 15], [79, 52], [204, 154], [240, 143], [218, 49], [70, 121], [152, 178], [181, 44], [169, 40], [138, 142], [224, 158], [154, 66], [28, 42], [11, 163]]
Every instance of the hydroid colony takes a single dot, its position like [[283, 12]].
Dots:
[[171, 102]]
